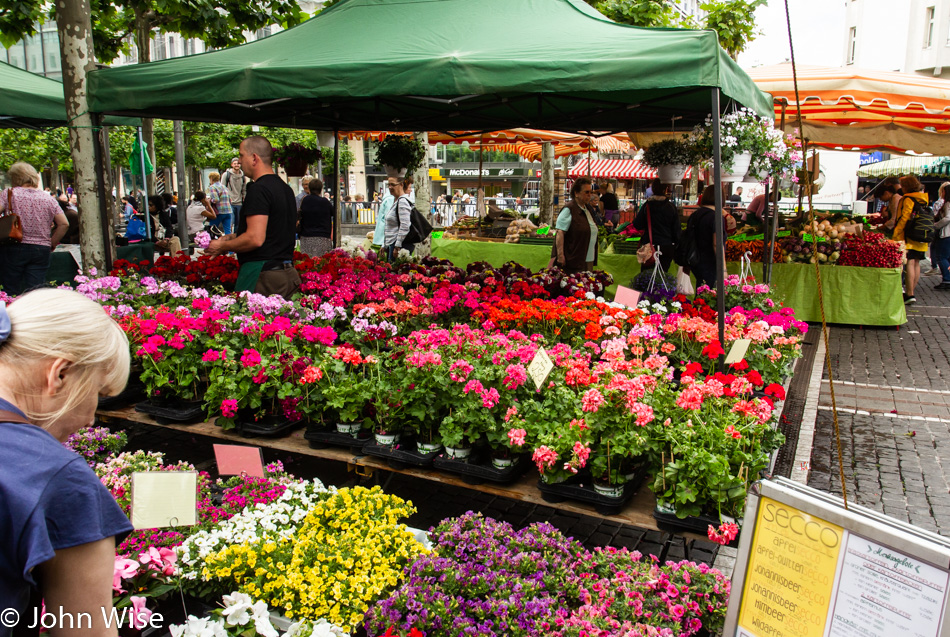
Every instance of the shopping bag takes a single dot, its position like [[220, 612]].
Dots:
[[683, 283]]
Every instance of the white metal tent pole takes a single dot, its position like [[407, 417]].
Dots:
[[337, 230], [180, 181], [720, 240]]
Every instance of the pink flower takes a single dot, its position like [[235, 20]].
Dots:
[[512, 411], [582, 453], [690, 398], [644, 413], [473, 386], [490, 398], [516, 375], [544, 457], [138, 618], [516, 436], [592, 400], [229, 408], [213, 355], [123, 568], [460, 370], [726, 533], [250, 358]]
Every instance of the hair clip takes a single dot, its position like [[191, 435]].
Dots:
[[4, 322]]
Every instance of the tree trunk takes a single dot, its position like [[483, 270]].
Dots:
[[546, 195], [423, 194], [143, 40], [694, 185], [75, 37]]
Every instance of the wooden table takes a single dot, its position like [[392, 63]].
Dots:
[[639, 512]]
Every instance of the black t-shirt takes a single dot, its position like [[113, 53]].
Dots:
[[610, 202], [270, 196], [316, 216], [664, 219]]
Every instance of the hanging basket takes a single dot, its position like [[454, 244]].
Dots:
[[398, 173], [295, 167], [740, 166], [672, 173], [325, 138]]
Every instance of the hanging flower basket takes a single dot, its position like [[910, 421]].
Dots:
[[392, 171], [295, 168], [672, 173], [740, 166], [296, 158]]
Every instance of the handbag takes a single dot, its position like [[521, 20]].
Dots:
[[645, 255], [11, 228]]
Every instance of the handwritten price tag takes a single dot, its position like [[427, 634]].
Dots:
[[626, 296], [164, 498], [540, 368]]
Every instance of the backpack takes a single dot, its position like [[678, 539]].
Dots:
[[419, 226], [920, 227], [686, 253]]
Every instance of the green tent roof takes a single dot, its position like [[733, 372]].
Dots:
[[443, 65], [28, 100]]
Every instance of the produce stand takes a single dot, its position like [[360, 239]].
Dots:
[[853, 295], [639, 512]]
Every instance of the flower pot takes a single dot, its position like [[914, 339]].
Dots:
[[550, 478], [428, 447], [740, 166], [503, 463], [754, 176], [386, 439], [458, 453], [394, 172], [349, 428], [295, 167], [672, 173], [609, 490]]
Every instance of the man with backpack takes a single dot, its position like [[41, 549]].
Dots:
[[915, 227]]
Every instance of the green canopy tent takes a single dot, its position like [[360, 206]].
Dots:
[[29, 100], [566, 68]]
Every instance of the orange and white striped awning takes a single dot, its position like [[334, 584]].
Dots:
[[622, 169]]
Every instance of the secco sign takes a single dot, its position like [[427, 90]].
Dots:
[[791, 573]]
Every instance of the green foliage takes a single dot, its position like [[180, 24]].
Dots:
[[734, 21], [671, 152], [638, 13], [217, 23], [401, 151]]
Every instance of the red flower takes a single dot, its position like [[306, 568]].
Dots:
[[713, 350], [775, 390], [740, 366], [693, 368], [755, 378]]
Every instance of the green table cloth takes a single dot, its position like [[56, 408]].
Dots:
[[62, 266], [855, 296]]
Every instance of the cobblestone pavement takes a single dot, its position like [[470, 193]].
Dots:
[[892, 388], [436, 501]]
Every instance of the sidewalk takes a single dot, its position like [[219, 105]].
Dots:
[[892, 389]]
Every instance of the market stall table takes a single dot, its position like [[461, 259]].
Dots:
[[639, 512], [63, 267]]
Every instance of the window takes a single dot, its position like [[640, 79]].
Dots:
[[172, 48], [929, 27], [852, 44]]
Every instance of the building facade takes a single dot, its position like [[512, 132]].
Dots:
[[912, 36]]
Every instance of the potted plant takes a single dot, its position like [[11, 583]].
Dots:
[[671, 158], [742, 134], [295, 158], [776, 154], [400, 154]]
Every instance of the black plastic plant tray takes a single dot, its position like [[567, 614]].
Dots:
[[698, 524], [320, 439], [481, 470], [183, 412], [268, 428], [581, 488], [400, 455], [133, 393]]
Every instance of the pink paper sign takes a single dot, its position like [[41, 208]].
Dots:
[[233, 460], [626, 296]]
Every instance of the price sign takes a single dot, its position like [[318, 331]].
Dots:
[[544, 230], [437, 235], [164, 498], [234, 460], [737, 351], [784, 233], [627, 296], [540, 368]]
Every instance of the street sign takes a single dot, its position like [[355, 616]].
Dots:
[[808, 567]]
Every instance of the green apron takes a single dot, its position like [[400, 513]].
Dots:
[[248, 275]]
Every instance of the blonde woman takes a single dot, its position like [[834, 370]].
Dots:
[[23, 265], [59, 351]]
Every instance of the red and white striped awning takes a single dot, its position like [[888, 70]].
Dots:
[[615, 169]]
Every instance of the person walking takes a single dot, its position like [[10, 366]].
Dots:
[[316, 222], [23, 265], [233, 179], [221, 202], [266, 236], [703, 224], [379, 233], [940, 248], [916, 250], [398, 219], [659, 221], [575, 244]]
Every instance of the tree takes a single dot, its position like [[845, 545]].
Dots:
[[733, 20]]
